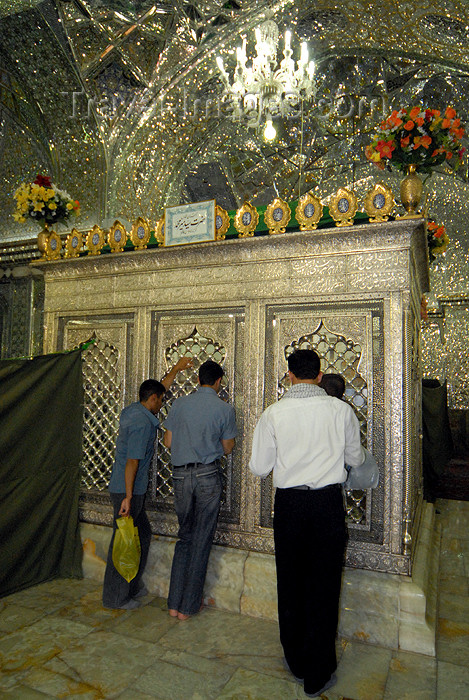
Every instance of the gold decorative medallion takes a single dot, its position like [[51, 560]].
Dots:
[[308, 212], [159, 231], [246, 220], [343, 206], [73, 244], [53, 246], [42, 239], [140, 234], [222, 223], [95, 240], [277, 215], [379, 203], [117, 237]]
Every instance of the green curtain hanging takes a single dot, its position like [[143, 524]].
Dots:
[[41, 416]]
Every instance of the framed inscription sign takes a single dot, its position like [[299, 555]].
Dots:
[[190, 223]]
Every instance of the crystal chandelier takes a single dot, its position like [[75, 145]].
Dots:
[[263, 90]]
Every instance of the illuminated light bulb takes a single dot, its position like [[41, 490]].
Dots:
[[287, 39], [269, 131]]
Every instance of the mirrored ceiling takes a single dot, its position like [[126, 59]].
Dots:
[[122, 102]]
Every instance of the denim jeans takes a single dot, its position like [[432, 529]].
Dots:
[[197, 494], [116, 590]]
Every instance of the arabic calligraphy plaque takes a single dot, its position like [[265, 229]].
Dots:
[[190, 223]]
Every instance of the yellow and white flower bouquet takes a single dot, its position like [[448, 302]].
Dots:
[[44, 202]]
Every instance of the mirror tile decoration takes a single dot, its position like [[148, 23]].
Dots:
[[89, 91]]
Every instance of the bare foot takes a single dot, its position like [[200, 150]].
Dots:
[[181, 616], [172, 612]]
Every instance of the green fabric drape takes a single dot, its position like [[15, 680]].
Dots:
[[41, 416], [437, 443]]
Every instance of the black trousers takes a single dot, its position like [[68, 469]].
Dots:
[[116, 590], [310, 537]]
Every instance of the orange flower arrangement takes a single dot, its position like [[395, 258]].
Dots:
[[414, 135], [437, 239]]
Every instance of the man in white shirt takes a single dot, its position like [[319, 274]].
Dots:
[[306, 439]]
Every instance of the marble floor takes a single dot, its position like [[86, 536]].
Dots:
[[58, 642]]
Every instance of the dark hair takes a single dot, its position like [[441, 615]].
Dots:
[[149, 387], [304, 364], [333, 384], [209, 372]]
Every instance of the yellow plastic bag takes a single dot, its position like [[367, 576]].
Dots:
[[126, 548]]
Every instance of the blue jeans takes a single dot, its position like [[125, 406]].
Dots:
[[197, 495], [116, 590]]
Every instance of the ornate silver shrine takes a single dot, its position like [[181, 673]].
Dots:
[[353, 294]]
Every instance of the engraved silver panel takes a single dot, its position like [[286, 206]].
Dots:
[[232, 292], [200, 349], [102, 407], [358, 359], [342, 356], [216, 335]]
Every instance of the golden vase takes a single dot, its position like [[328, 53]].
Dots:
[[42, 239], [411, 192]]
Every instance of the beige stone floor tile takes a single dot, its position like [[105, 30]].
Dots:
[[181, 676], [216, 634], [62, 588], [109, 661], [39, 642], [133, 694], [411, 677], [23, 693], [89, 610], [362, 672], [451, 563], [148, 623], [453, 642], [158, 602], [454, 607], [58, 666], [453, 682], [454, 584], [58, 685], [13, 616], [11, 679], [249, 685]]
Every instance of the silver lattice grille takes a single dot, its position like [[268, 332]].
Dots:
[[339, 356], [102, 406], [200, 349]]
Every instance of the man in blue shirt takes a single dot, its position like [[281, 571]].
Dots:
[[129, 482], [200, 428]]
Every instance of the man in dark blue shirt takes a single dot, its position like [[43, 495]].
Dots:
[[200, 428], [129, 482]]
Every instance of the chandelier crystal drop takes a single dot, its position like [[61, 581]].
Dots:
[[262, 89]]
